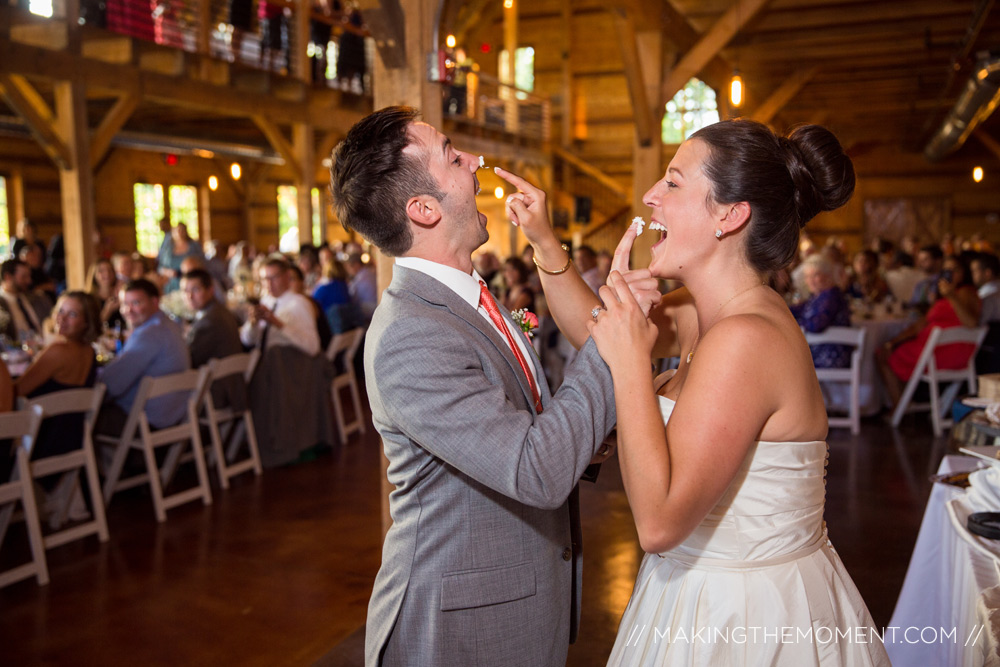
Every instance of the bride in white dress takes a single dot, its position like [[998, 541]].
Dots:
[[723, 463]]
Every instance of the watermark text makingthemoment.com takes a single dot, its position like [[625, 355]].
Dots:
[[821, 634]]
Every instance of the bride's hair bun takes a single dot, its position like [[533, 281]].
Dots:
[[786, 181], [823, 175]]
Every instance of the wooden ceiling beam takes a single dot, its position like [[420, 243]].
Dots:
[[591, 171], [785, 92], [645, 124], [710, 44], [114, 120], [278, 141], [795, 18], [42, 123]]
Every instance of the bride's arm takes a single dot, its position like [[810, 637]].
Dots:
[[569, 298], [673, 477]]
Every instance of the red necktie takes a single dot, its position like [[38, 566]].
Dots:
[[487, 302]]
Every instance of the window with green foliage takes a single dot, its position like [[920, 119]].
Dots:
[[288, 213], [148, 213], [692, 108], [315, 206], [184, 207], [4, 218], [524, 67]]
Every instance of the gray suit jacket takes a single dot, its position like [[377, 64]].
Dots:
[[480, 566]]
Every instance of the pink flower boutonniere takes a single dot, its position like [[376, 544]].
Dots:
[[525, 319]]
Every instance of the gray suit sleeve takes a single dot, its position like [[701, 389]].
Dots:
[[447, 396]]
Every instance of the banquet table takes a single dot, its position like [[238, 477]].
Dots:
[[948, 611], [878, 330]]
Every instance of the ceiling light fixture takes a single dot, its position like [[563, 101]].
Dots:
[[977, 174]]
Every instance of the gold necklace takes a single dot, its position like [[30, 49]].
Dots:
[[719, 310]]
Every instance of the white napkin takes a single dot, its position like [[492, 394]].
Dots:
[[984, 490]]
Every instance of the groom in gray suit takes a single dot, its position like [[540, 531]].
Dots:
[[481, 565]]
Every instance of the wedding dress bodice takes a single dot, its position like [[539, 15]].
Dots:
[[772, 508]]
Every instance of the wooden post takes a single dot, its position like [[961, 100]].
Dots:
[[647, 160], [509, 76], [76, 183], [205, 213], [302, 138], [299, 58]]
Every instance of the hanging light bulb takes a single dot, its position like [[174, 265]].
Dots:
[[736, 89], [449, 41], [977, 174], [213, 183], [235, 171], [498, 192]]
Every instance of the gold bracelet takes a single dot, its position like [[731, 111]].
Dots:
[[557, 271]]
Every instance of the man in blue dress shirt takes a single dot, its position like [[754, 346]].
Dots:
[[155, 347]]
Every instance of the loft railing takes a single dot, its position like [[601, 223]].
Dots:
[[203, 26], [486, 102]]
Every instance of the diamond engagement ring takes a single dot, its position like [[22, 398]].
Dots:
[[595, 312]]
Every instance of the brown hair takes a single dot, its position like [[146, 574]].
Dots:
[[786, 181], [372, 179], [91, 308]]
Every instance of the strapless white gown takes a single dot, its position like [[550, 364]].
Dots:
[[757, 582]]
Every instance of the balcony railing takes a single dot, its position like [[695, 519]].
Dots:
[[487, 102]]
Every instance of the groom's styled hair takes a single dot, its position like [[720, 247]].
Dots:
[[371, 179]]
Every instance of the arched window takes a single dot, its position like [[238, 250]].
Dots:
[[692, 108]]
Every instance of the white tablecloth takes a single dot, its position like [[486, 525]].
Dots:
[[948, 611]]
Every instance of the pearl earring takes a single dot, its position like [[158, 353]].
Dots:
[[718, 233]]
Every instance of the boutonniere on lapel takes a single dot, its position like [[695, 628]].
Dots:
[[525, 319]]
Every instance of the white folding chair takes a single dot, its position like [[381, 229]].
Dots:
[[852, 375], [345, 346], [242, 365], [927, 371], [88, 403], [138, 434], [20, 488]]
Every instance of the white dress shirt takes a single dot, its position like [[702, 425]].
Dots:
[[467, 287], [297, 316]]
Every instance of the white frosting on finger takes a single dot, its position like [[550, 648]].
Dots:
[[639, 223]]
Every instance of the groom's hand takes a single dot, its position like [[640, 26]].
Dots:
[[607, 448]]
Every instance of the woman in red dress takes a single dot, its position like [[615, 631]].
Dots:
[[957, 306]]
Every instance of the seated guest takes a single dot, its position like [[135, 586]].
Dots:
[[214, 333], [825, 307], [27, 235], [308, 263], [68, 362], [103, 284], [193, 262], [15, 284], [901, 276], [362, 286], [929, 261], [124, 267], [957, 305], [586, 263], [41, 283], [282, 317], [334, 299], [518, 294], [298, 285], [866, 283], [986, 278], [155, 347]]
